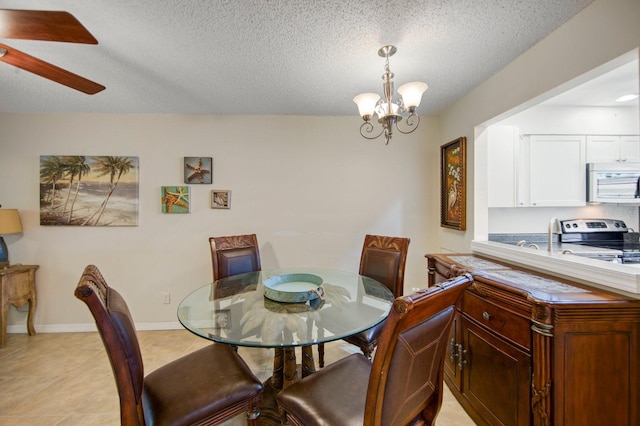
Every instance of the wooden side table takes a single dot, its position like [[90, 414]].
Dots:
[[17, 287]]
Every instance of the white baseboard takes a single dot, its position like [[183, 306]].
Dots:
[[159, 326], [79, 328]]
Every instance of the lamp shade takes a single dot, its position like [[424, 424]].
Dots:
[[412, 93], [10, 222], [366, 103]]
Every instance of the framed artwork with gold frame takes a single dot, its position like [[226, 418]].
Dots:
[[453, 184]]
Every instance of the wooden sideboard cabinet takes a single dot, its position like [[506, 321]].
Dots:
[[17, 287], [528, 348]]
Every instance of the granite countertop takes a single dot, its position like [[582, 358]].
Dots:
[[520, 279], [537, 238], [528, 238], [540, 242]]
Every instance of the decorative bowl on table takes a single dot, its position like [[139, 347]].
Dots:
[[293, 288]]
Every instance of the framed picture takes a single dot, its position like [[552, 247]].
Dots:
[[79, 190], [453, 164], [175, 199], [220, 199], [198, 170]]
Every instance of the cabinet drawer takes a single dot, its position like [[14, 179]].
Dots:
[[506, 324], [439, 272], [442, 272]]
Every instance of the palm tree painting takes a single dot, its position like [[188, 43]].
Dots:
[[78, 190]]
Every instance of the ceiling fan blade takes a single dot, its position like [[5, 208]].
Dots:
[[44, 69], [43, 25]]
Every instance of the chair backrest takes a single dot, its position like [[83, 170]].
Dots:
[[407, 373], [383, 259], [117, 329], [234, 255]]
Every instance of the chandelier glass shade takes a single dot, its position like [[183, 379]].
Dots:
[[390, 111]]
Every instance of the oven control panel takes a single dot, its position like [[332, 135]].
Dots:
[[592, 225]]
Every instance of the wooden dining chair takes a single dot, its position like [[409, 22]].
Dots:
[[404, 382], [234, 255], [383, 259], [207, 386]]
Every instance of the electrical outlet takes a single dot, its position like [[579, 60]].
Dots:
[[414, 289], [166, 298]]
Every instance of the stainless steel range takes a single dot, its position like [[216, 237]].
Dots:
[[603, 233]]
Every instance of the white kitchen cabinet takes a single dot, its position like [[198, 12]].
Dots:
[[502, 160], [613, 148], [557, 171], [630, 148], [535, 170]]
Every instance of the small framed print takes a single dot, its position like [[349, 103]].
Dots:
[[175, 199], [220, 199], [198, 170]]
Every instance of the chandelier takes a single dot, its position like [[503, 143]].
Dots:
[[390, 112]]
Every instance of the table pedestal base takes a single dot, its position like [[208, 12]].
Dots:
[[285, 373]]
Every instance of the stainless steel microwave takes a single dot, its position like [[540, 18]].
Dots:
[[617, 183]]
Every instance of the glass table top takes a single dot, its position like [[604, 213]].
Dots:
[[235, 311]]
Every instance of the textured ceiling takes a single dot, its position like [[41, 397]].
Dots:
[[274, 57]]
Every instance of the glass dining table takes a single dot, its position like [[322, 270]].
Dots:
[[246, 310]]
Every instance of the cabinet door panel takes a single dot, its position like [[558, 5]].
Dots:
[[603, 149], [496, 377], [630, 148], [600, 355], [557, 169], [451, 361], [501, 167]]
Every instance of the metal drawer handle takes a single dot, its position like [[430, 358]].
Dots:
[[454, 350], [486, 316], [461, 354]]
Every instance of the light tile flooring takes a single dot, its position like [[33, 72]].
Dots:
[[65, 378]]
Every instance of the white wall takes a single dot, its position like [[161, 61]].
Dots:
[[601, 32], [560, 120], [309, 187]]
